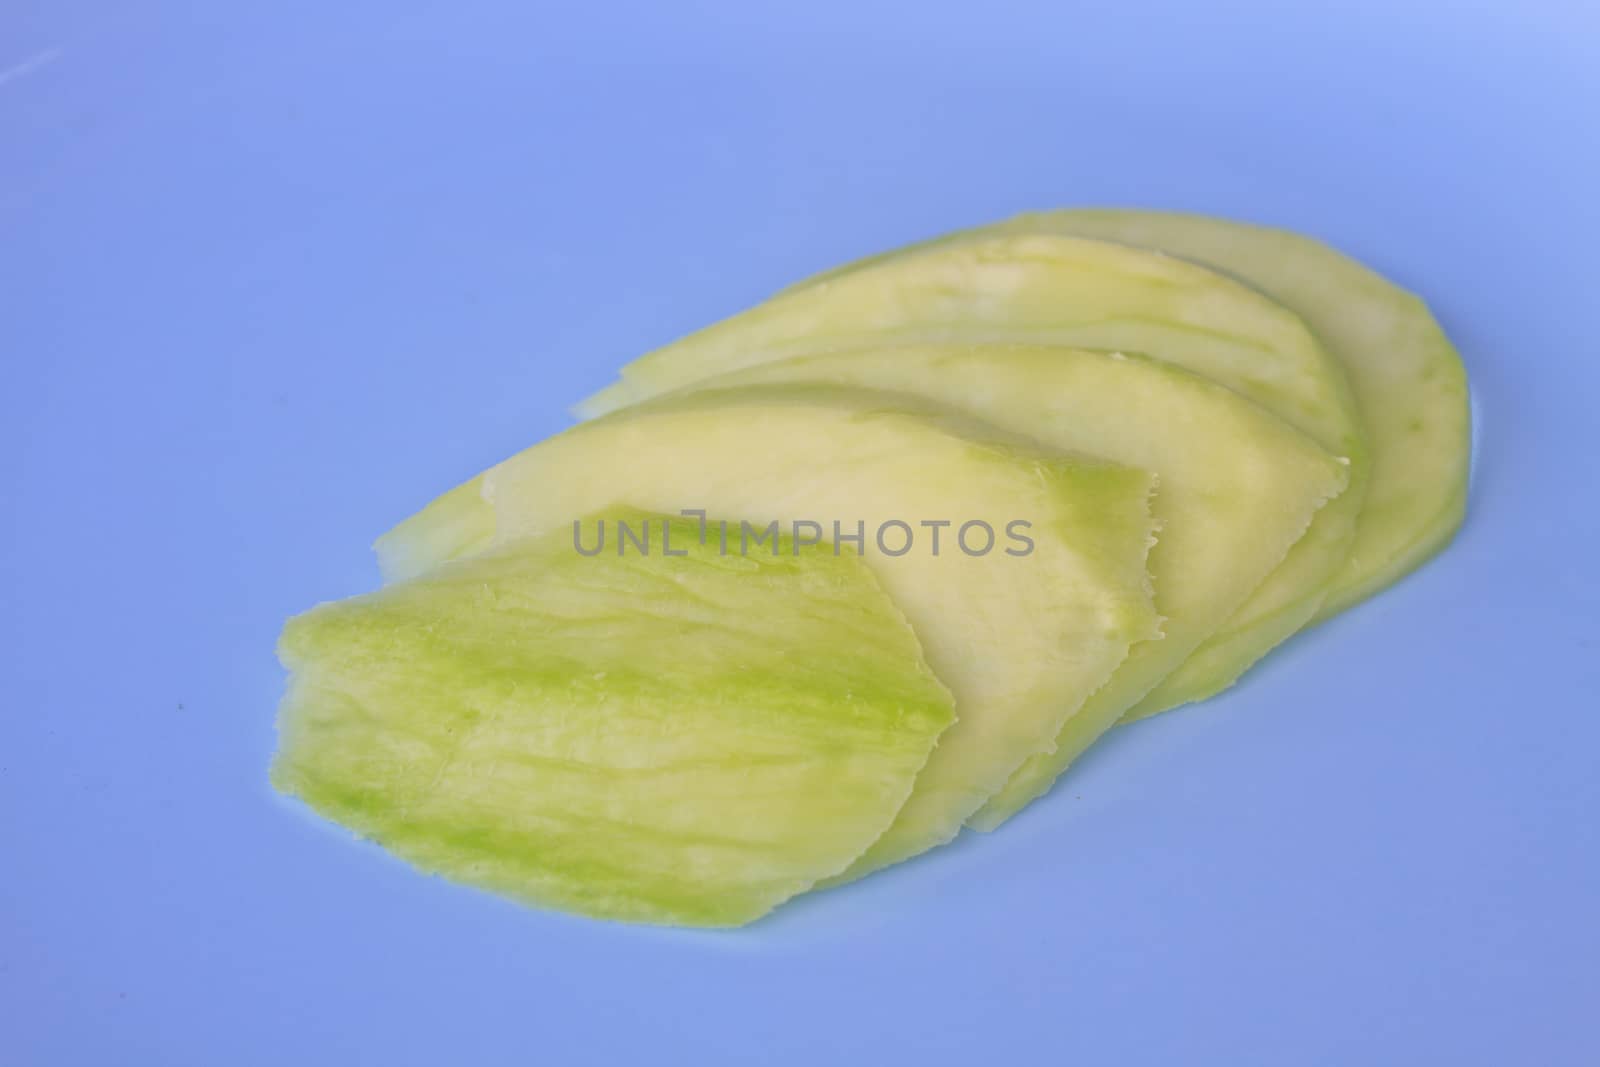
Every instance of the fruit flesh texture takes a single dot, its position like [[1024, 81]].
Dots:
[[1237, 487], [688, 740], [1020, 641], [1408, 380], [1066, 290]]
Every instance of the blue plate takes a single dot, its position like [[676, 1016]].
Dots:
[[271, 276]]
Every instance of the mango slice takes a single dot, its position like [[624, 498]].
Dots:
[[1408, 380], [688, 740]]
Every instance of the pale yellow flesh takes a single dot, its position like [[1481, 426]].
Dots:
[[1072, 291], [1408, 380], [1237, 487], [1020, 641]]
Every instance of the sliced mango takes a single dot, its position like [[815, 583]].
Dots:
[[1408, 380], [1049, 288], [1237, 487], [1021, 639]]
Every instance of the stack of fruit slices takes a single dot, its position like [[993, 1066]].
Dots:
[[816, 587]]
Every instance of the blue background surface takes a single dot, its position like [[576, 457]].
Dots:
[[271, 278]]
